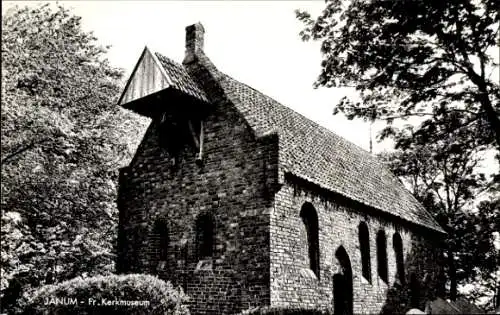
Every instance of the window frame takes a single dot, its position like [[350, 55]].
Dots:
[[365, 252], [309, 217], [205, 236], [397, 244], [161, 243], [382, 262]]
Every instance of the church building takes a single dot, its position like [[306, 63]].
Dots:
[[245, 203]]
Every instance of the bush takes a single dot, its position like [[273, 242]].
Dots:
[[115, 294], [285, 311]]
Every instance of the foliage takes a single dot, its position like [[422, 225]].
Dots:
[[414, 58], [62, 140], [92, 294], [446, 175], [284, 311], [435, 65]]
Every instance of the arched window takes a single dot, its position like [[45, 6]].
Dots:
[[382, 256], [342, 284], [160, 243], [310, 219], [205, 229], [364, 246], [397, 244]]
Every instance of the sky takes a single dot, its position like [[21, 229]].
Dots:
[[256, 42]]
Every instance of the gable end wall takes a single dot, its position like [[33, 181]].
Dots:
[[234, 184]]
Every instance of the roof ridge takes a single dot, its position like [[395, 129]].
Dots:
[[314, 124], [159, 55]]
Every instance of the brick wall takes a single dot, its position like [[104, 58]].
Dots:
[[233, 184], [260, 253], [292, 284]]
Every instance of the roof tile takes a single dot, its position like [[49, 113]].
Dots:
[[180, 78]]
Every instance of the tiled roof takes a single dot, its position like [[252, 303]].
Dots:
[[318, 155], [180, 78], [314, 153]]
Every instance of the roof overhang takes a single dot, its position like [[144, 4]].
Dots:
[[150, 90], [148, 77], [357, 205], [159, 102]]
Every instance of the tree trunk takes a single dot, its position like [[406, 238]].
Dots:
[[491, 114], [452, 273], [484, 100], [493, 119]]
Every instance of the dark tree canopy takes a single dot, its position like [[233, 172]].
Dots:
[[434, 64], [413, 58], [447, 175]]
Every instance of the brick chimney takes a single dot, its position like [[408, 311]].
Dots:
[[194, 42]]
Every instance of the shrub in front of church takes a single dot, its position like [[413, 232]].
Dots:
[[285, 311], [115, 294]]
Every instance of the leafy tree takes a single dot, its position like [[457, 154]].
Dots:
[[444, 173], [476, 228], [413, 58], [63, 139], [436, 64]]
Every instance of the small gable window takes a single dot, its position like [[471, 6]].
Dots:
[[364, 246], [382, 256], [397, 244], [205, 227], [310, 220]]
